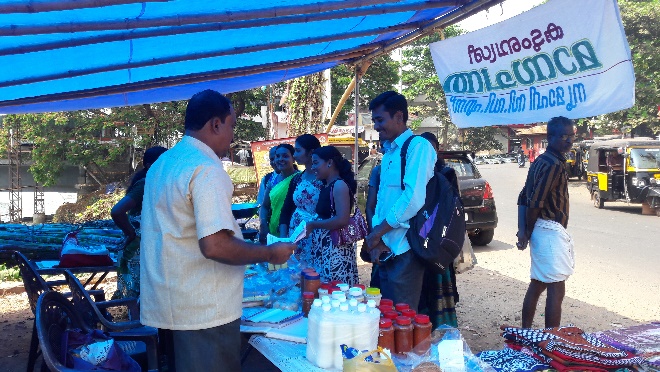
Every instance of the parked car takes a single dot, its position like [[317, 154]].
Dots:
[[364, 171], [479, 160], [510, 158], [477, 197]]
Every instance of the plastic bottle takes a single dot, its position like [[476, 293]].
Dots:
[[386, 335], [335, 304], [324, 289], [303, 274], [392, 315], [322, 356], [373, 293], [374, 319], [422, 333], [326, 300], [356, 293], [401, 306], [343, 332], [362, 328], [352, 305], [338, 295], [312, 282], [307, 301], [387, 302], [410, 313], [344, 288], [403, 335]]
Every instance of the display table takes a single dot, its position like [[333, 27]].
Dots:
[[285, 355], [46, 268]]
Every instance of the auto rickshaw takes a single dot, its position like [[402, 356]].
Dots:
[[625, 170], [574, 166]]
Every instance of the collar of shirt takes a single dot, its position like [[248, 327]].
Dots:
[[556, 154], [398, 142], [201, 146]]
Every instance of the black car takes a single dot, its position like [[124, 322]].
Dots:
[[477, 197], [476, 193]]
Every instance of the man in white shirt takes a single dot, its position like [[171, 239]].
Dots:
[[400, 276], [192, 251]]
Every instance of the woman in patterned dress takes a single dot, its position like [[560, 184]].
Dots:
[[336, 202], [128, 278], [303, 194]]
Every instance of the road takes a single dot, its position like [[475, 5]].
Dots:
[[617, 248]]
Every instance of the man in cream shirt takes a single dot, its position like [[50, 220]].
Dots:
[[401, 276], [192, 251]]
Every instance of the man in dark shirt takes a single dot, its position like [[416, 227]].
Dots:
[[543, 217]]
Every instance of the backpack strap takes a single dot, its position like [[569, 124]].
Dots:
[[404, 152]]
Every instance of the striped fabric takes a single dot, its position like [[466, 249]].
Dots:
[[546, 187]]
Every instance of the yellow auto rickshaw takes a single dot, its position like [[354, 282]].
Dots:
[[625, 170], [574, 166]]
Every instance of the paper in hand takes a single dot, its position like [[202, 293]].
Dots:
[[297, 234]]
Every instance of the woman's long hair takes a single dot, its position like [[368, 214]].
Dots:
[[150, 156], [309, 142], [344, 166]]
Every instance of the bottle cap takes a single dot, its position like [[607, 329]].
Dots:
[[361, 286], [325, 286], [343, 286], [384, 308], [371, 303], [390, 315], [334, 303], [385, 323], [355, 292], [343, 307], [334, 289], [335, 282], [308, 295], [373, 291], [401, 306], [385, 301], [317, 303], [312, 276], [410, 313], [325, 299], [422, 319], [326, 307], [338, 295], [402, 320], [353, 302], [362, 308]]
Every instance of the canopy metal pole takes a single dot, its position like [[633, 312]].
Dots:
[[357, 114], [38, 6]]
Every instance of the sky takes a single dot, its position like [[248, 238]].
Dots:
[[498, 13]]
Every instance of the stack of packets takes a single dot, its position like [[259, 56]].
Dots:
[[298, 233], [354, 360]]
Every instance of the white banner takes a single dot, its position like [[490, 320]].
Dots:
[[563, 58]]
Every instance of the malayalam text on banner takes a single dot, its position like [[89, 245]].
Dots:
[[562, 58]]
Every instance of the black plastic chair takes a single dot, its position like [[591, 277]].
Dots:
[[56, 314], [35, 285], [95, 315]]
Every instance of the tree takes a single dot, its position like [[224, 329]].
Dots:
[[421, 80], [381, 76], [641, 22], [305, 104], [94, 139]]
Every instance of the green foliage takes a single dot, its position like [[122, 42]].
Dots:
[[421, 80], [641, 22], [305, 104], [381, 76], [481, 139], [8, 274]]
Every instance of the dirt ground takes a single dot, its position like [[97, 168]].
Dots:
[[488, 300]]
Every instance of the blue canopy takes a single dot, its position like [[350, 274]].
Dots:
[[81, 54]]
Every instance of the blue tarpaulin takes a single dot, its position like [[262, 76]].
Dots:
[[80, 54]]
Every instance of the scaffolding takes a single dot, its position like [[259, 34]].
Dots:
[[15, 187]]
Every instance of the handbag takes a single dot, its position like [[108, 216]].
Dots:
[[355, 230]]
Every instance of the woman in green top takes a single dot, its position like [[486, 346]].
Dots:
[[273, 203], [128, 278]]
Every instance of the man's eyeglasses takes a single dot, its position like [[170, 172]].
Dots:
[[564, 137]]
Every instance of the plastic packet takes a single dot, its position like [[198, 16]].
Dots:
[[448, 351]]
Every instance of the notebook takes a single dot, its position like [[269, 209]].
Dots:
[[274, 318]]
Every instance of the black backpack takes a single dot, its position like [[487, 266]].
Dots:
[[437, 231]]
